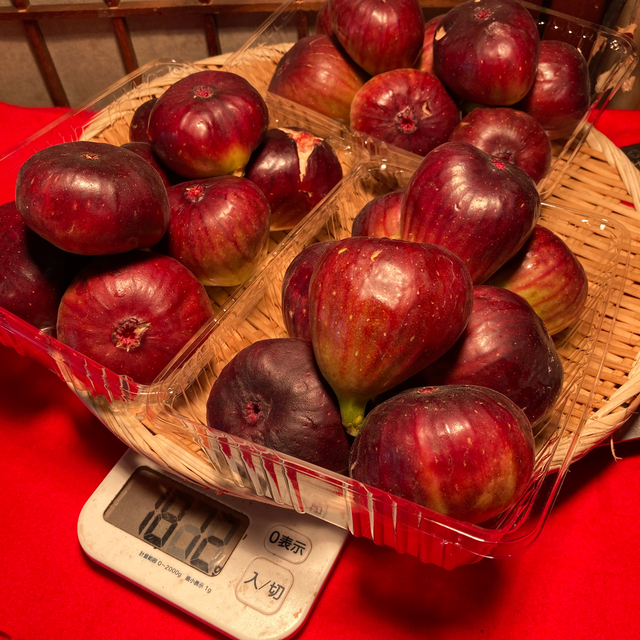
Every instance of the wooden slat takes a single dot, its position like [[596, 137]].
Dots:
[[211, 35]]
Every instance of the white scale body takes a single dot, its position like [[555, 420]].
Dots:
[[248, 569]]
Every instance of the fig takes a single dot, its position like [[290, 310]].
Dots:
[[295, 290], [92, 198], [380, 217], [425, 59], [33, 273], [477, 205], [132, 312], [407, 108], [378, 35], [208, 124], [505, 347], [272, 393], [509, 134], [561, 92], [139, 125], [295, 169], [486, 51], [144, 150], [380, 310], [464, 451], [317, 74], [219, 228], [548, 274]]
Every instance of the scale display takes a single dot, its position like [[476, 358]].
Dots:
[[249, 569], [196, 530]]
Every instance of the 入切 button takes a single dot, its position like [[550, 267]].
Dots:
[[264, 585]]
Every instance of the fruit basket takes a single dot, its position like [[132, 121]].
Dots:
[[164, 420], [611, 57]]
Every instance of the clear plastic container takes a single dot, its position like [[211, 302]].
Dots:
[[165, 420], [256, 314], [611, 58]]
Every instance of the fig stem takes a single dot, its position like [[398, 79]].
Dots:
[[352, 413]]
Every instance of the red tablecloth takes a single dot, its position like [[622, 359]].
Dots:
[[580, 579]]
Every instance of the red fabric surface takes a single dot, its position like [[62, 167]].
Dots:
[[580, 579]]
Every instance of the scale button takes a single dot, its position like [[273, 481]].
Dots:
[[287, 544], [264, 585]]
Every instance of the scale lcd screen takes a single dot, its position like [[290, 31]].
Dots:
[[200, 532]]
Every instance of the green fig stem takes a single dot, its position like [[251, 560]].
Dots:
[[352, 414]]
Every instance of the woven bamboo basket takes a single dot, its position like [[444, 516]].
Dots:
[[599, 180]]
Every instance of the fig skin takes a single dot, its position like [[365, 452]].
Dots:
[[486, 51], [144, 150], [547, 274], [219, 228], [380, 217], [510, 134], [273, 394], [295, 290], [139, 125], [380, 310], [33, 273], [133, 312], [478, 206], [208, 124], [317, 74], [295, 170], [466, 452], [92, 198], [505, 347], [407, 108]]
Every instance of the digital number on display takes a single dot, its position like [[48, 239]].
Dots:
[[198, 531]]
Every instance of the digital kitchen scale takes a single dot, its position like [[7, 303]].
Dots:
[[248, 569]]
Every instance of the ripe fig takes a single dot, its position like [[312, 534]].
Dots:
[[317, 74], [139, 125], [477, 205], [381, 310], [219, 228], [272, 393], [294, 169], [92, 198], [208, 124], [505, 347], [133, 312], [466, 452], [547, 274], [144, 150], [486, 51], [380, 217], [509, 134], [425, 60], [407, 108], [295, 290], [379, 36], [33, 273]]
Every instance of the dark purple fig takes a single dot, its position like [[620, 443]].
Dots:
[[323, 25], [477, 205], [505, 347], [139, 125], [407, 108], [33, 273], [425, 60], [317, 74], [208, 124], [548, 274], [561, 92], [219, 228], [380, 217], [509, 134], [486, 51], [463, 451], [143, 149], [295, 170], [378, 35], [272, 393], [133, 312], [295, 290], [92, 198], [381, 310]]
